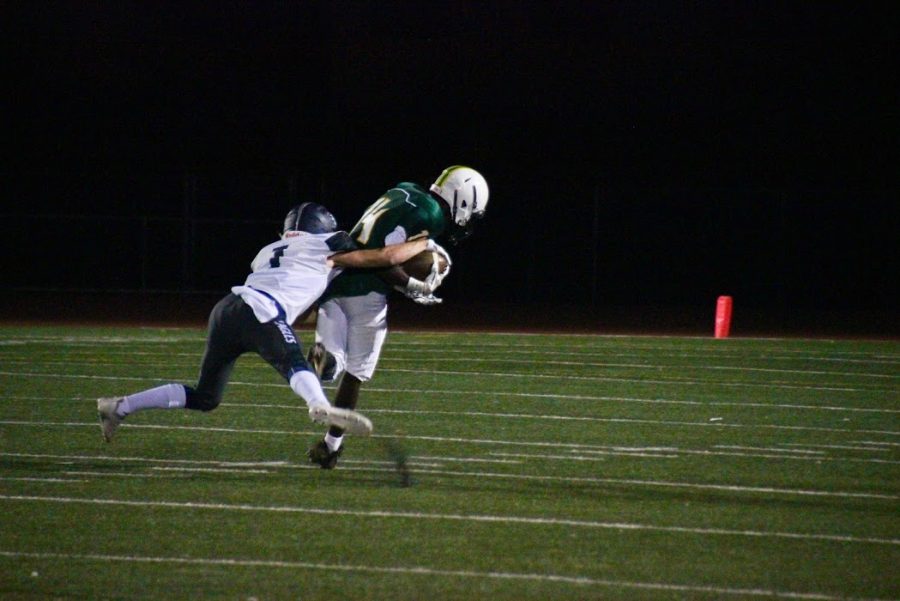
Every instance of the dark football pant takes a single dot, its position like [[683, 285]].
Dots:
[[233, 331]]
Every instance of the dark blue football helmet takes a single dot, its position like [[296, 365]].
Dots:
[[309, 217]]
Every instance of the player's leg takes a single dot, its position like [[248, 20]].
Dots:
[[218, 360], [347, 395], [328, 356], [326, 452], [224, 344], [277, 343], [112, 411], [366, 333]]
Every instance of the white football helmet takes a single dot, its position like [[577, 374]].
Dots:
[[465, 191]]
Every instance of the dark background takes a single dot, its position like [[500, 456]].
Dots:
[[643, 157]]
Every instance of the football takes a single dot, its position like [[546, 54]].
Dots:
[[420, 265]]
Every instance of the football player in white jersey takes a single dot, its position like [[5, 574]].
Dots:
[[287, 278]]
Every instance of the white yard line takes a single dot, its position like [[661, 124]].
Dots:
[[543, 362], [211, 470], [54, 480], [453, 517], [125, 474], [772, 449], [670, 381], [618, 353], [649, 366], [704, 424], [463, 459], [401, 338], [68, 459], [581, 581], [666, 452], [398, 350], [81, 376], [526, 395], [716, 423], [836, 446], [409, 463], [471, 374], [682, 452], [664, 484], [581, 480], [595, 455]]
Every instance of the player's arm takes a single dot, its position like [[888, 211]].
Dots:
[[388, 256], [412, 228], [395, 275]]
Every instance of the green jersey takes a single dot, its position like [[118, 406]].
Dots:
[[406, 212]]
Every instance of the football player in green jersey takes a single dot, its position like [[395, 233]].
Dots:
[[351, 325]]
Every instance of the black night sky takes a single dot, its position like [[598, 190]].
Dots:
[[643, 157]]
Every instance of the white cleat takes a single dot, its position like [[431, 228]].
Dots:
[[109, 419], [349, 421]]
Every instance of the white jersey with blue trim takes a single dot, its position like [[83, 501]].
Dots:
[[291, 273]]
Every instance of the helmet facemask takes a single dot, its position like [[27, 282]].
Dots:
[[456, 233]]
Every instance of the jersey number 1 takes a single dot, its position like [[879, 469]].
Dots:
[[275, 261]]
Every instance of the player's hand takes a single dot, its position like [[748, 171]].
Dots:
[[435, 247], [426, 300], [436, 277], [419, 292], [416, 287]]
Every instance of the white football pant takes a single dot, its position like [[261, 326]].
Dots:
[[353, 329]]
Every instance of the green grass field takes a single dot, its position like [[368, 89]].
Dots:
[[543, 467]]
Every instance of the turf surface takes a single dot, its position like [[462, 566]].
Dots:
[[541, 467]]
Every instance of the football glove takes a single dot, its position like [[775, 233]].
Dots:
[[419, 292], [422, 292], [435, 278], [422, 299], [416, 287]]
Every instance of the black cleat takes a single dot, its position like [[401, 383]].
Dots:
[[322, 362], [321, 456]]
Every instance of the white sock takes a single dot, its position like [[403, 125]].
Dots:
[[306, 384], [333, 442], [167, 396]]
